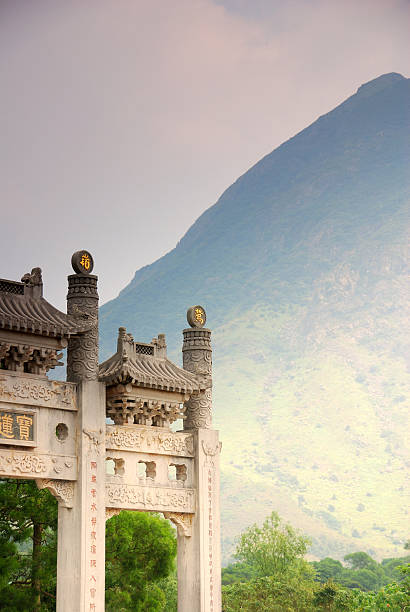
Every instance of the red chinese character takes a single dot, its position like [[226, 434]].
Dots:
[[93, 535], [93, 563], [93, 549], [93, 521], [93, 492], [92, 593], [93, 508], [93, 478], [93, 465], [92, 606], [93, 578]]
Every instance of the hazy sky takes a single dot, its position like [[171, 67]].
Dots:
[[121, 121]]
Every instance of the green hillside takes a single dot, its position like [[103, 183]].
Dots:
[[303, 268]]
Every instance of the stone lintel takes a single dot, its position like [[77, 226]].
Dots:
[[153, 499], [25, 464], [146, 393], [37, 391], [15, 337]]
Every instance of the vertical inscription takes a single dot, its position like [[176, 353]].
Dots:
[[210, 541], [92, 532]]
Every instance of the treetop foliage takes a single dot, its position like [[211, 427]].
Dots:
[[272, 549]]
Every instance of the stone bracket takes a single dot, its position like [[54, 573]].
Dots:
[[63, 490], [182, 521]]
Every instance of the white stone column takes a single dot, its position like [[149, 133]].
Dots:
[[199, 555], [81, 529]]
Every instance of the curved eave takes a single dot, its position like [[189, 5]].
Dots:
[[36, 316], [148, 372]]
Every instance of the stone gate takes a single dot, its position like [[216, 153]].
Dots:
[[56, 433]]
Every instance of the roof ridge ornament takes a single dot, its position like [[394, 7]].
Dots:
[[196, 316], [82, 262], [33, 278]]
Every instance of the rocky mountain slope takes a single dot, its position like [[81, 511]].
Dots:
[[303, 268]]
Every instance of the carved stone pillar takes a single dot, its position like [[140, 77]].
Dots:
[[197, 358], [81, 522], [81, 526], [199, 549], [82, 303]]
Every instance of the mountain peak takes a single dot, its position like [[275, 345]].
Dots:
[[301, 266], [380, 83]]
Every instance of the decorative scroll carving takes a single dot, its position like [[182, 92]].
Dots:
[[197, 358], [183, 522], [95, 439], [14, 389], [198, 361], [60, 463], [82, 303], [22, 464], [148, 440], [63, 490], [124, 438], [137, 497], [199, 411], [174, 444], [211, 451]]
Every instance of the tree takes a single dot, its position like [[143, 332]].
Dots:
[[269, 594], [360, 560], [327, 568], [273, 549], [236, 572], [140, 550], [28, 524]]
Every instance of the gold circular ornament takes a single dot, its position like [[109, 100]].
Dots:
[[196, 316], [82, 262]]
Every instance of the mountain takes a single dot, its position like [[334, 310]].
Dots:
[[303, 268]]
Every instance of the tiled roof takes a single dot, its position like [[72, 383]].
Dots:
[[148, 371], [20, 311]]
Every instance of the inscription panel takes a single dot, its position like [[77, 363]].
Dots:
[[18, 427], [37, 392], [159, 499], [149, 440]]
